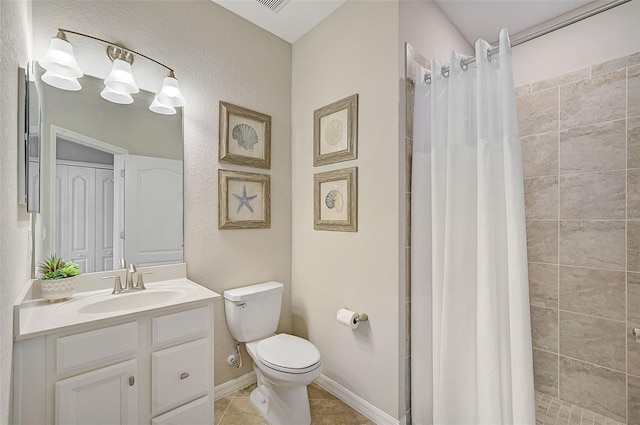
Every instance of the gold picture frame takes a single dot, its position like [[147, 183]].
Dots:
[[335, 204], [245, 136], [244, 200], [335, 132]]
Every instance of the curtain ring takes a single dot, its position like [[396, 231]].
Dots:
[[427, 78], [463, 65], [445, 71], [489, 54]]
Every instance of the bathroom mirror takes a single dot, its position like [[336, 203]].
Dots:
[[110, 179]]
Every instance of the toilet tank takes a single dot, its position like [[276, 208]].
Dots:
[[253, 311]]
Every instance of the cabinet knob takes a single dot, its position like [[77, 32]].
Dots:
[[184, 375], [132, 380]]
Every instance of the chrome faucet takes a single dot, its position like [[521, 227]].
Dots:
[[130, 271], [129, 286]]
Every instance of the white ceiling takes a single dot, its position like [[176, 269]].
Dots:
[[474, 18], [294, 20], [483, 19]]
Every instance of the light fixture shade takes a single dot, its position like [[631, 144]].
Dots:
[[160, 108], [60, 59], [170, 93], [116, 96], [120, 78], [61, 82]]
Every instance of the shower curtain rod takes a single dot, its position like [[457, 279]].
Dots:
[[464, 63]]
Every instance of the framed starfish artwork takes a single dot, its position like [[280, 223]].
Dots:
[[335, 132], [335, 204], [244, 200], [245, 136]]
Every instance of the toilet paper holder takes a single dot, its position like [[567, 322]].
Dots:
[[361, 317]]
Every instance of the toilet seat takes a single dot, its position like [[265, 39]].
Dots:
[[288, 354]]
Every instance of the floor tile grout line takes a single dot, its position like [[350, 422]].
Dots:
[[219, 422]]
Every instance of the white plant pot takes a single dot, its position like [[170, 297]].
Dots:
[[58, 289]]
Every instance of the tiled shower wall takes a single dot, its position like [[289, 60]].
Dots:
[[580, 136]]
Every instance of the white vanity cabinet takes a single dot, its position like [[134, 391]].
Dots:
[[153, 367]]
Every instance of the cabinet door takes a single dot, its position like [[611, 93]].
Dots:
[[106, 396]]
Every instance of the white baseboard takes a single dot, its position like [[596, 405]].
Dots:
[[358, 403], [230, 387]]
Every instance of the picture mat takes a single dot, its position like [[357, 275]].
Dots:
[[338, 121]]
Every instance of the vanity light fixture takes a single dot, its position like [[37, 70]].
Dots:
[[63, 72]]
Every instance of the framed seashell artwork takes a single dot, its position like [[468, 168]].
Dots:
[[335, 132], [244, 200], [245, 136], [335, 205]]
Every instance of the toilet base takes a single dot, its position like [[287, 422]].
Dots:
[[282, 405]]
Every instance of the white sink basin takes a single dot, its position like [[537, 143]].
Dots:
[[130, 300]]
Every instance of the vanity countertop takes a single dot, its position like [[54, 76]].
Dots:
[[35, 316]]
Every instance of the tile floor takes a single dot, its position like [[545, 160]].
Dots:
[[551, 411], [236, 409]]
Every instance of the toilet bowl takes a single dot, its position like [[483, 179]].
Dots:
[[284, 364]]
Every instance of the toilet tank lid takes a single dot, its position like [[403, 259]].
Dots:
[[253, 291]]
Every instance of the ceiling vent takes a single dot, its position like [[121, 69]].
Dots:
[[274, 5]]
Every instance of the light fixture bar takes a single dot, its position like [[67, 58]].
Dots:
[[110, 43]]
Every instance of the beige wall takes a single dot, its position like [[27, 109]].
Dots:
[[352, 51], [216, 56], [14, 221], [607, 36]]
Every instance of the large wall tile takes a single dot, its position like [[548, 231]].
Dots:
[[593, 196], [538, 112], [594, 340], [593, 291], [592, 387], [543, 285], [633, 142], [598, 99], [633, 246], [633, 351], [541, 197], [597, 244], [540, 154], [633, 194], [633, 95], [615, 64], [633, 297], [545, 372], [633, 394], [542, 241], [597, 147], [569, 77], [544, 328]]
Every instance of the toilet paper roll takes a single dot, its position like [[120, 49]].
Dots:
[[348, 318]]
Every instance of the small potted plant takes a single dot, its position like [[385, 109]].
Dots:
[[57, 281]]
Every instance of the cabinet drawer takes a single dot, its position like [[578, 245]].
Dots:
[[104, 396], [180, 374], [94, 347], [195, 413], [173, 327]]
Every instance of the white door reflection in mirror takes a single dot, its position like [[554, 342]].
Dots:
[[153, 210]]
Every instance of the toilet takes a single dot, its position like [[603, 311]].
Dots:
[[284, 364]]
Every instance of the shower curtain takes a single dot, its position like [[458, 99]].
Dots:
[[471, 337]]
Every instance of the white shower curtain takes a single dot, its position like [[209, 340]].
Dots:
[[471, 337]]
